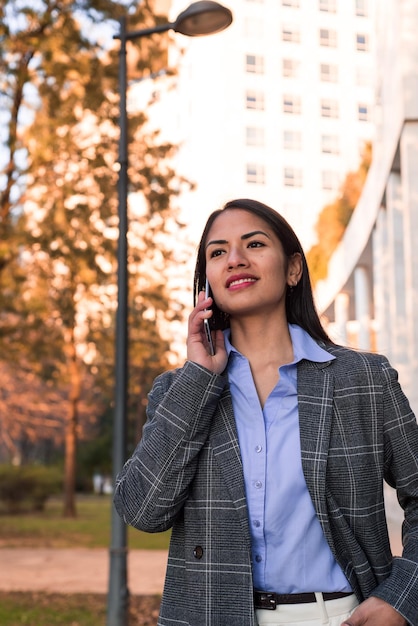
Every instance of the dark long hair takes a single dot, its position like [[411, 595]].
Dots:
[[300, 306]]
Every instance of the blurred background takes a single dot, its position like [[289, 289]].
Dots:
[[308, 105]]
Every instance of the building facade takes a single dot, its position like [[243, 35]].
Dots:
[[370, 296], [277, 107]]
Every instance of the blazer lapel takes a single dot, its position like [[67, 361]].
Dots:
[[315, 398], [224, 439]]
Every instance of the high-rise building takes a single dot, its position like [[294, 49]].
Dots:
[[278, 107], [370, 294]]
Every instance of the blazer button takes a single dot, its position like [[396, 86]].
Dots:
[[198, 552]]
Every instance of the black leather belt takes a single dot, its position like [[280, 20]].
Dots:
[[270, 600]]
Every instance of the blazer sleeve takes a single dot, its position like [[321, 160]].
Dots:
[[401, 472], [153, 485]]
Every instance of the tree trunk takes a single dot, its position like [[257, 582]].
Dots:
[[71, 429]]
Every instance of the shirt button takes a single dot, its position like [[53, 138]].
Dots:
[[258, 448], [258, 484], [257, 523], [258, 558]]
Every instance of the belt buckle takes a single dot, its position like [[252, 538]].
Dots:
[[267, 601]]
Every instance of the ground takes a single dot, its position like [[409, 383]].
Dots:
[[78, 609]]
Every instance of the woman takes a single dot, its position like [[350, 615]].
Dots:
[[267, 458]]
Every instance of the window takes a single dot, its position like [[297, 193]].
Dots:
[[291, 104], [330, 180], [329, 108], [328, 37], [328, 6], [254, 136], [292, 140], [254, 64], [362, 42], [255, 173], [255, 100], [361, 8], [292, 177], [329, 73], [363, 112], [290, 68], [294, 4], [330, 144], [290, 34]]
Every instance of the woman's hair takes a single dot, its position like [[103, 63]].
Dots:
[[300, 307]]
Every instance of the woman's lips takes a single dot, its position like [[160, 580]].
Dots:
[[237, 281]]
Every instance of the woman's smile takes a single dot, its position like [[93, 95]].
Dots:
[[236, 282]]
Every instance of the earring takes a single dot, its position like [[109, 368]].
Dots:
[[291, 287]]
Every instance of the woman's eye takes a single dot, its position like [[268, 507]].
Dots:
[[256, 244], [215, 253]]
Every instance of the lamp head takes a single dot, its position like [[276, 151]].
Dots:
[[202, 18]]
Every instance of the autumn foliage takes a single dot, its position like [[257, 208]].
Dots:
[[333, 219], [59, 227]]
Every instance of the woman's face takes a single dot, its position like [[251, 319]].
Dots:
[[246, 266]]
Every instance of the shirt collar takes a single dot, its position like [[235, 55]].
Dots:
[[304, 346]]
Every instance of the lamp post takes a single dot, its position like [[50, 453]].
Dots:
[[200, 18]]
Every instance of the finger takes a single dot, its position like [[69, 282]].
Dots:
[[196, 319], [203, 301], [202, 309]]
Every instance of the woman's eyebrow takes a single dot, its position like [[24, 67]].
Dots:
[[223, 242], [217, 242], [255, 232]]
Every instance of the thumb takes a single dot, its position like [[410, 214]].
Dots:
[[355, 619]]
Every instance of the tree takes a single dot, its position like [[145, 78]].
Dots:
[[33, 415], [334, 218], [59, 205]]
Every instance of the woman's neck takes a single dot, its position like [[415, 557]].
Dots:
[[267, 345], [263, 339]]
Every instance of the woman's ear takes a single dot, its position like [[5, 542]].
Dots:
[[295, 269]]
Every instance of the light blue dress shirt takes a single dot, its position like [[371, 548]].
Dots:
[[289, 551]]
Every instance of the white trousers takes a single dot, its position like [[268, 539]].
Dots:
[[319, 613]]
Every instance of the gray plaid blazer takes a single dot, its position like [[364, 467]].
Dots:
[[356, 430]]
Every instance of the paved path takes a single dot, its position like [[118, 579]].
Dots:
[[78, 570]]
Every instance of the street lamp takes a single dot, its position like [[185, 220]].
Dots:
[[200, 18]]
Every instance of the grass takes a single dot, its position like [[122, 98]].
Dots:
[[51, 610], [90, 529], [41, 609]]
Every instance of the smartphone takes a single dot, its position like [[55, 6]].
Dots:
[[207, 325]]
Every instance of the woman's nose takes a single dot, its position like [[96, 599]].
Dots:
[[236, 258]]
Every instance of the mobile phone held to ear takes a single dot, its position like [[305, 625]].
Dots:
[[206, 324]]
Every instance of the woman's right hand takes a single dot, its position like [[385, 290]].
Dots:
[[197, 348]]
